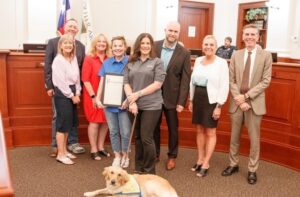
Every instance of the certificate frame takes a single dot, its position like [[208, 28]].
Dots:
[[113, 93]]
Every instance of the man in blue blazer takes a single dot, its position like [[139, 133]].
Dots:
[[71, 27], [175, 88]]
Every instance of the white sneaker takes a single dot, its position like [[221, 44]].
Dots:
[[125, 163], [76, 148], [116, 162]]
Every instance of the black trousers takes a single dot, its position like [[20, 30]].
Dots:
[[146, 122], [172, 122]]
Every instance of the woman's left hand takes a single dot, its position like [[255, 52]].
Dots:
[[133, 97], [216, 113]]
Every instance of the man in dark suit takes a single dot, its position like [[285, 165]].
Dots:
[[249, 75], [175, 88], [71, 27]]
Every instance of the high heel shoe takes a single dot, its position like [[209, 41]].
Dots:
[[202, 172], [196, 167]]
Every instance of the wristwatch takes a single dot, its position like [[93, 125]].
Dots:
[[93, 96]]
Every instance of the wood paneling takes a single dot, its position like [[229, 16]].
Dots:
[[29, 107], [29, 112], [280, 131], [5, 180], [3, 98]]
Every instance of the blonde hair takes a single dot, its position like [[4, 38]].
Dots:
[[93, 49], [62, 39], [210, 37]]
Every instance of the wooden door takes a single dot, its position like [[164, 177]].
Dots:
[[196, 21]]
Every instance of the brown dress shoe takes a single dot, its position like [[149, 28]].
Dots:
[[171, 164]]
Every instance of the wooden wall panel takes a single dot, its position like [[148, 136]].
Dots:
[[29, 112], [3, 98]]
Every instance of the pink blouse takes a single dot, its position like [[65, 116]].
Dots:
[[65, 74]]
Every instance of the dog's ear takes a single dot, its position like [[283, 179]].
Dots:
[[124, 177], [105, 171]]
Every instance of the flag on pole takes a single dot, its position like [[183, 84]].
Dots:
[[63, 16], [87, 26]]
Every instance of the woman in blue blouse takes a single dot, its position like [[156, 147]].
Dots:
[[117, 118]]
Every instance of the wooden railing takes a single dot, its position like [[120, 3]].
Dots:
[[5, 181]]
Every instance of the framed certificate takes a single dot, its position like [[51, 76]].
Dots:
[[112, 95]]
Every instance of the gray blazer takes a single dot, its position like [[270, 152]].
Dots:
[[51, 52], [175, 88], [260, 79]]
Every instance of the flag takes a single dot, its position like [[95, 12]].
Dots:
[[63, 16], [87, 26]]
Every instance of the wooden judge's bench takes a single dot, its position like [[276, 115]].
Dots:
[[26, 111]]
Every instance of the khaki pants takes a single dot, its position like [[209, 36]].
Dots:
[[252, 123]]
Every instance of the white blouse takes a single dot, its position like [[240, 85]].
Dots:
[[217, 75]]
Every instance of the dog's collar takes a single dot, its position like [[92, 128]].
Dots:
[[130, 188]]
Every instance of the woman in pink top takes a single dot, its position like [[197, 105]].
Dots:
[[66, 81]]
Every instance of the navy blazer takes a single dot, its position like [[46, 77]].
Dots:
[[51, 52], [175, 88]]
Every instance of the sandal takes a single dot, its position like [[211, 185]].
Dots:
[[196, 167], [65, 160], [71, 156], [104, 153], [203, 172], [95, 156]]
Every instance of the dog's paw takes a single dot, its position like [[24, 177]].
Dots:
[[88, 194]]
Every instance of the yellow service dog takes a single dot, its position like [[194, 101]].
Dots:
[[120, 183]]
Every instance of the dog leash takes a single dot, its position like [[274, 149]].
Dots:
[[131, 133]]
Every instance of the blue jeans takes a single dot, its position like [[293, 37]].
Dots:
[[73, 135], [119, 130]]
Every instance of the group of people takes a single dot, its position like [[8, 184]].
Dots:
[[158, 79]]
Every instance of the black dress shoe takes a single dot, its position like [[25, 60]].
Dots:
[[230, 170], [196, 168], [252, 178]]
